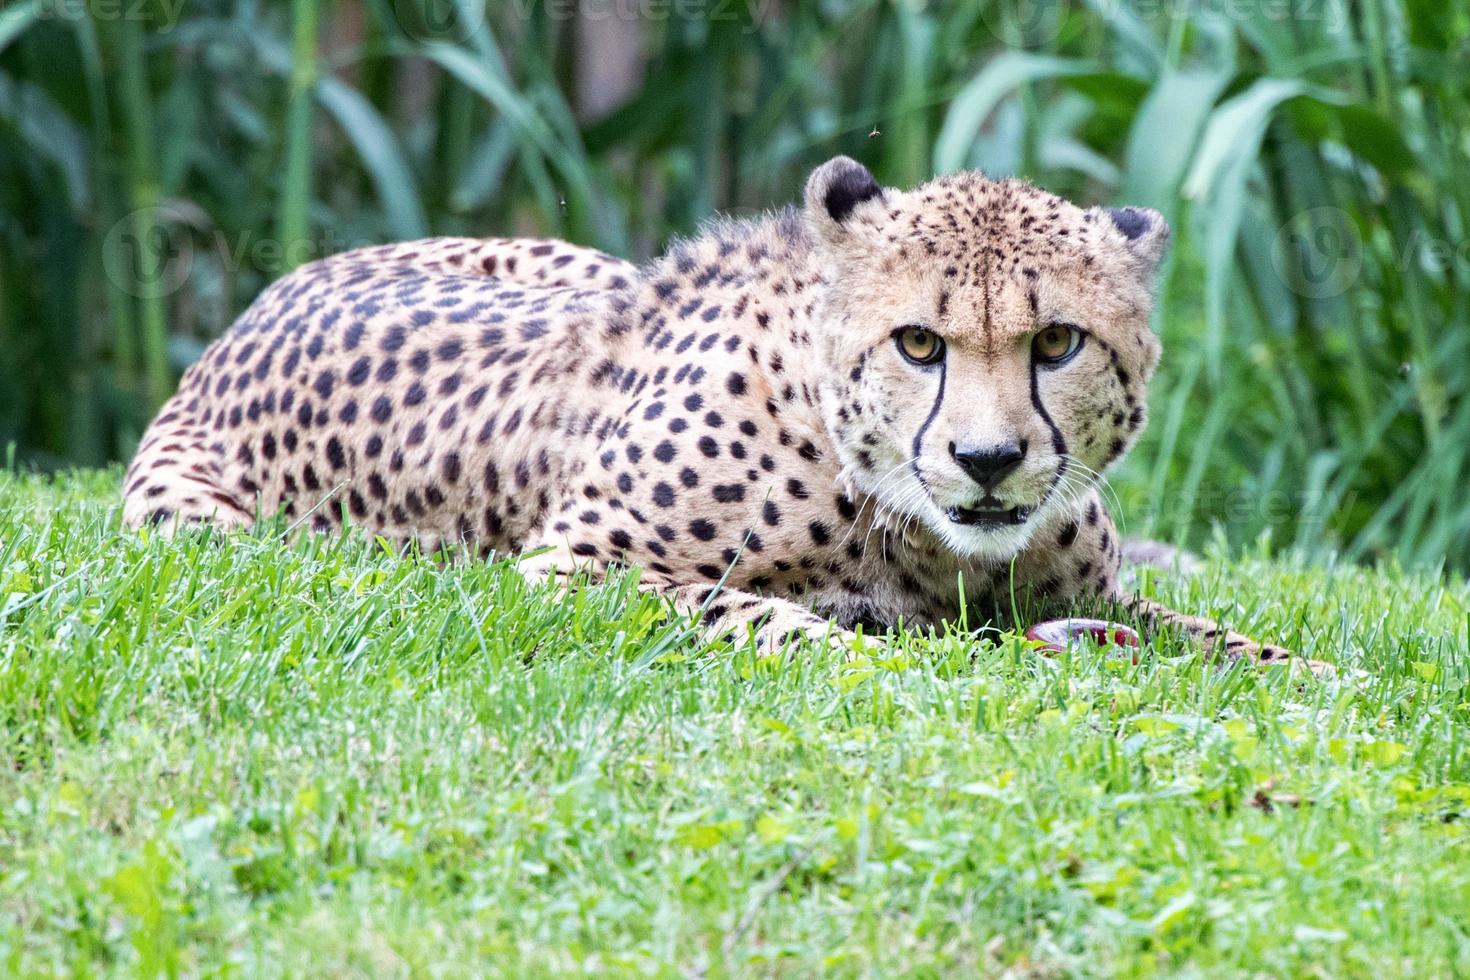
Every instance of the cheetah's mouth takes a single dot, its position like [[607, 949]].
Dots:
[[988, 516]]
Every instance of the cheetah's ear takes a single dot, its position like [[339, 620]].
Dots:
[[1144, 230], [835, 189]]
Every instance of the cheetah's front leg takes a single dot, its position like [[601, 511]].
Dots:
[[1219, 642], [1079, 561], [722, 612], [732, 614]]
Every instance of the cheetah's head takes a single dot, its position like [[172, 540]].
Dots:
[[990, 346]]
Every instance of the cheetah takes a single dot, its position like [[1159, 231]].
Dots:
[[877, 408]]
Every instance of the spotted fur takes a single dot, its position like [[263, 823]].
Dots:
[[734, 417]]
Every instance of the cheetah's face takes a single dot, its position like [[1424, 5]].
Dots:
[[993, 345]]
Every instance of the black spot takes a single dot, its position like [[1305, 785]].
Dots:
[[702, 529], [849, 185], [663, 494], [1130, 221], [665, 452]]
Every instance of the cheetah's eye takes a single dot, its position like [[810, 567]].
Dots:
[[919, 345], [1057, 344]]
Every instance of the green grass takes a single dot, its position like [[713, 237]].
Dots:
[[243, 755], [164, 162]]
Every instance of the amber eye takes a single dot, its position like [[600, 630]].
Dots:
[[919, 345], [1056, 343]]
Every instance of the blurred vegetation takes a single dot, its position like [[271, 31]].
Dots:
[[162, 160]]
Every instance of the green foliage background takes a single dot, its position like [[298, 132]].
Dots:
[[162, 160]]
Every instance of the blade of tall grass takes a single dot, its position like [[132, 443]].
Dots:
[[15, 20], [1216, 188], [483, 173], [293, 222], [908, 162], [380, 153], [149, 234], [1164, 135], [977, 100]]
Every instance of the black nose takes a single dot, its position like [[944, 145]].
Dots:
[[990, 465]]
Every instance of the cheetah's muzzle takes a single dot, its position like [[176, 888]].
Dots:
[[988, 517]]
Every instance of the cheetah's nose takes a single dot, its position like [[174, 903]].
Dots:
[[990, 465]]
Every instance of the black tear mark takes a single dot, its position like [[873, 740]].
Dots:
[[933, 412], [1058, 442]]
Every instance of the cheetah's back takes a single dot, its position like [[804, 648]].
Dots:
[[417, 387]]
